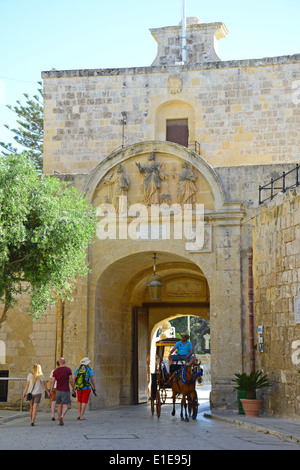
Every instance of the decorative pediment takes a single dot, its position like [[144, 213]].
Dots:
[[154, 178]]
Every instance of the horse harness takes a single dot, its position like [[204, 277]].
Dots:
[[181, 375]]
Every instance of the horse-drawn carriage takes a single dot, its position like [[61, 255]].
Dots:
[[180, 377]]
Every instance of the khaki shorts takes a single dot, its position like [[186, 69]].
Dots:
[[36, 398]]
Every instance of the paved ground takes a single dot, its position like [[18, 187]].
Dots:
[[134, 429]]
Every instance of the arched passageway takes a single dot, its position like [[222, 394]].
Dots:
[[198, 327], [125, 321]]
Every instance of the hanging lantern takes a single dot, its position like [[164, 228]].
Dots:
[[154, 283], [154, 287]]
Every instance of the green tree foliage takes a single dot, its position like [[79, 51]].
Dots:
[[45, 229], [30, 132], [198, 328]]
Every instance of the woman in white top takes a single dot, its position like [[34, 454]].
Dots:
[[35, 384], [53, 396]]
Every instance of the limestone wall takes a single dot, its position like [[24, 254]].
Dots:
[[241, 112], [276, 249], [26, 342]]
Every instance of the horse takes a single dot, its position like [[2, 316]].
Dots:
[[183, 382]]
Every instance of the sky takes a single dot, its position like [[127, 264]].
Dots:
[[39, 35]]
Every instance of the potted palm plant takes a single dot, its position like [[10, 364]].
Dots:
[[249, 383]]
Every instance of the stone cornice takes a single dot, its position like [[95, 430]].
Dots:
[[265, 61]]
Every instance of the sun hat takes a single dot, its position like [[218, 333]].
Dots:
[[184, 333], [85, 361]]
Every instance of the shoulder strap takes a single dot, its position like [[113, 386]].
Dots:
[[81, 367], [33, 384]]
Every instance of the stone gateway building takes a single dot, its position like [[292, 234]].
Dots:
[[202, 134]]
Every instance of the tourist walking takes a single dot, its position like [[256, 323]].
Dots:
[[34, 386], [64, 378], [84, 380], [53, 396]]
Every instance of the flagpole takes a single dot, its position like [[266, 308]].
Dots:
[[184, 31]]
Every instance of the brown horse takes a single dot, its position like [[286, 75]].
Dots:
[[183, 382]]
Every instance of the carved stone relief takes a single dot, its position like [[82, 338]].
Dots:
[[153, 176], [190, 289], [186, 186], [154, 179], [174, 84], [118, 184]]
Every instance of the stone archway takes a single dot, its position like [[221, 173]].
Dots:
[[119, 268], [120, 289], [121, 286]]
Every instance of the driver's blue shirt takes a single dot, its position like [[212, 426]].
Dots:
[[183, 348]]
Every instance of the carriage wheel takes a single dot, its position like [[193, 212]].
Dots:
[[163, 395], [152, 406], [158, 404]]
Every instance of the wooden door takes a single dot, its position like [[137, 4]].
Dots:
[[178, 131]]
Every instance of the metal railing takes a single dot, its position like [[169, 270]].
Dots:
[[195, 145], [22, 388], [288, 180]]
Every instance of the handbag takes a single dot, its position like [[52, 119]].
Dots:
[[29, 395]]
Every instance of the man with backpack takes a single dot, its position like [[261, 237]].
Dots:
[[84, 380]]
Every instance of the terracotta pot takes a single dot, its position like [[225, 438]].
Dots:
[[251, 407]]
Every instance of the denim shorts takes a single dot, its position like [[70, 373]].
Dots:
[[176, 357], [63, 398]]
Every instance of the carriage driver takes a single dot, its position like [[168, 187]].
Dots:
[[184, 350]]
